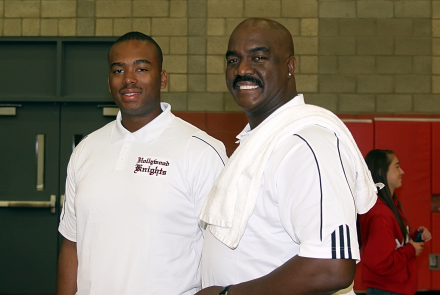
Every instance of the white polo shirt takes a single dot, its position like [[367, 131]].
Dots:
[[305, 207], [132, 205]]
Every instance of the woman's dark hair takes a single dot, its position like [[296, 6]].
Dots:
[[378, 162]]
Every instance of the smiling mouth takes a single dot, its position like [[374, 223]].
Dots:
[[247, 87], [246, 83], [131, 94]]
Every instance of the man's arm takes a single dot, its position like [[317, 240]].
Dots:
[[67, 269], [299, 275]]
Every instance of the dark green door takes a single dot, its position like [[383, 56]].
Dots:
[[35, 146], [29, 169]]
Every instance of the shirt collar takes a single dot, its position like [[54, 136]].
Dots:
[[147, 133], [297, 100]]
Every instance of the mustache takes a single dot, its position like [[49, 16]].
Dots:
[[129, 87], [246, 79]]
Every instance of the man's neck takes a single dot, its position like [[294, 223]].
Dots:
[[256, 118], [134, 123]]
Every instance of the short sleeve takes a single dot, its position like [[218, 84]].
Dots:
[[206, 157], [67, 226], [315, 184]]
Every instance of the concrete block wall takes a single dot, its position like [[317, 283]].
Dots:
[[354, 56], [378, 56]]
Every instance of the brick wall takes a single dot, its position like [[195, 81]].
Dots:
[[377, 56], [354, 56]]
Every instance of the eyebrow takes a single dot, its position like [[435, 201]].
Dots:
[[253, 50], [138, 61], [229, 53], [257, 49]]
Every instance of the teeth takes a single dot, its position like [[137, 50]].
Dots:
[[131, 94], [248, 87]]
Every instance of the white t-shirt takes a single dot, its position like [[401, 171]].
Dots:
[[305, 207], [132, 205]]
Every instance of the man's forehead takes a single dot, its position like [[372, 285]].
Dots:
[[135, 45], [141, 49], [249, 40], [249, 48]]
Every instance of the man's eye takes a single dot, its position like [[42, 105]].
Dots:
[[259, 58], [232, 60], [142, 70], [117, 71]]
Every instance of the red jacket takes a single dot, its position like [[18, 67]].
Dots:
[[384, 266]]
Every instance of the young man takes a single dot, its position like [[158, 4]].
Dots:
[[282, 214], [135, 187]]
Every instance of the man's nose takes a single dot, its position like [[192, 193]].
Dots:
[[245, 68], [129, 78]]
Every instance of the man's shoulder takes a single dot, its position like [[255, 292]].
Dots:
[[310, 135], [184, 126], [197, 142], [192, 132], [315, 130]]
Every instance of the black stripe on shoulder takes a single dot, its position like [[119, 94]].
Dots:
[[320, 181], [342, 165], [212, 148]]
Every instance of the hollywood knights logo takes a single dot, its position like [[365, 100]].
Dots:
[[151, 166]]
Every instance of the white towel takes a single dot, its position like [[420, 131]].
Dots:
[[232, 199]]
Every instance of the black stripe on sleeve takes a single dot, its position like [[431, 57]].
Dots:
[[320, 182], [334, 245], [341, 242], [212, 148], [339, 252], [348, 242]]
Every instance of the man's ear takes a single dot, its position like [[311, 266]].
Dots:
[[291, 64], [163, 79]]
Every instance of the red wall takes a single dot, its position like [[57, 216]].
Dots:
[[436, 158], [411, 141], [435, 274], [363, 134]]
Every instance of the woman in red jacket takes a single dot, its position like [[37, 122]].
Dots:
[[389, 263]]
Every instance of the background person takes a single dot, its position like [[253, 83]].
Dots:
[[135, 187], [389, 263]]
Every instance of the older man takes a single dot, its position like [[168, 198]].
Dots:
[[282, 214], [135, 187]]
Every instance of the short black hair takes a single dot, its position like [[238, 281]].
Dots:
[[140, 37]]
